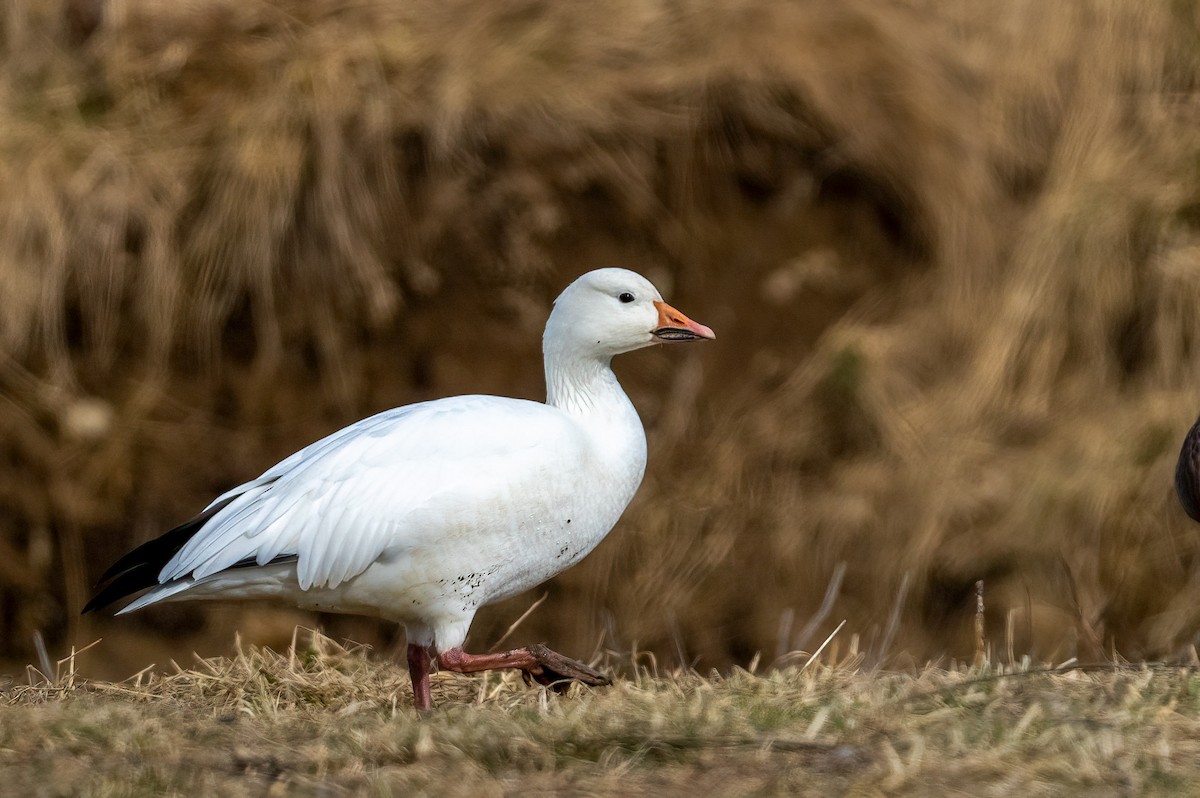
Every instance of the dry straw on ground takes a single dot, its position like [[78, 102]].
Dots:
[[950, 248], [322, 716]]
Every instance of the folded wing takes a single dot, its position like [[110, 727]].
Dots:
[[393, 481]]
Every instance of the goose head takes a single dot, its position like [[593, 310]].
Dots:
[[607, 312]]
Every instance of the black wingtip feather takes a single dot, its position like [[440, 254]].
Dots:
[[139, 569], [126, 584]]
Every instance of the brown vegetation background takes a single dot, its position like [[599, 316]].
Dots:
[[951, 249]]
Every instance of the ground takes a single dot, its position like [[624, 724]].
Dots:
[[323, 719]]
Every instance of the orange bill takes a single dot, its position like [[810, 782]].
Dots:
[[674, 326]]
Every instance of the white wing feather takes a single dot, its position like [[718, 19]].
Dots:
[[376, 486]]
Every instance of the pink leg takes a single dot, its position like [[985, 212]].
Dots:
[[460, 661], [419, 661], [538, 664]]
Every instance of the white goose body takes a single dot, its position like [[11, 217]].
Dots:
[[421, 514], [424, 513]]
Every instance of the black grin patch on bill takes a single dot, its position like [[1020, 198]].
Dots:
[[675, 334]]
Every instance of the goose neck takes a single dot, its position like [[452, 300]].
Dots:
[[583, 386]]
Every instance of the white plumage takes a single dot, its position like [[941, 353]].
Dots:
[[424, 513]]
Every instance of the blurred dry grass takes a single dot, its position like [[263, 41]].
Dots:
[[321, 718], [951, 249]]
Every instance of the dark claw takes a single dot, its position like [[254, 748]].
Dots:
[[557, 672]]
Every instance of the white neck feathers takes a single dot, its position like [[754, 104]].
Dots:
[[581, 385]]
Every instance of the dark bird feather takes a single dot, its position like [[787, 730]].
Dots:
[[139, 569], [1187, 473]]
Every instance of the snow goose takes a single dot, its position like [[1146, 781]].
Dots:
[[424, 513]]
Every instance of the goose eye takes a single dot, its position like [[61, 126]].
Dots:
[[626, 297]]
